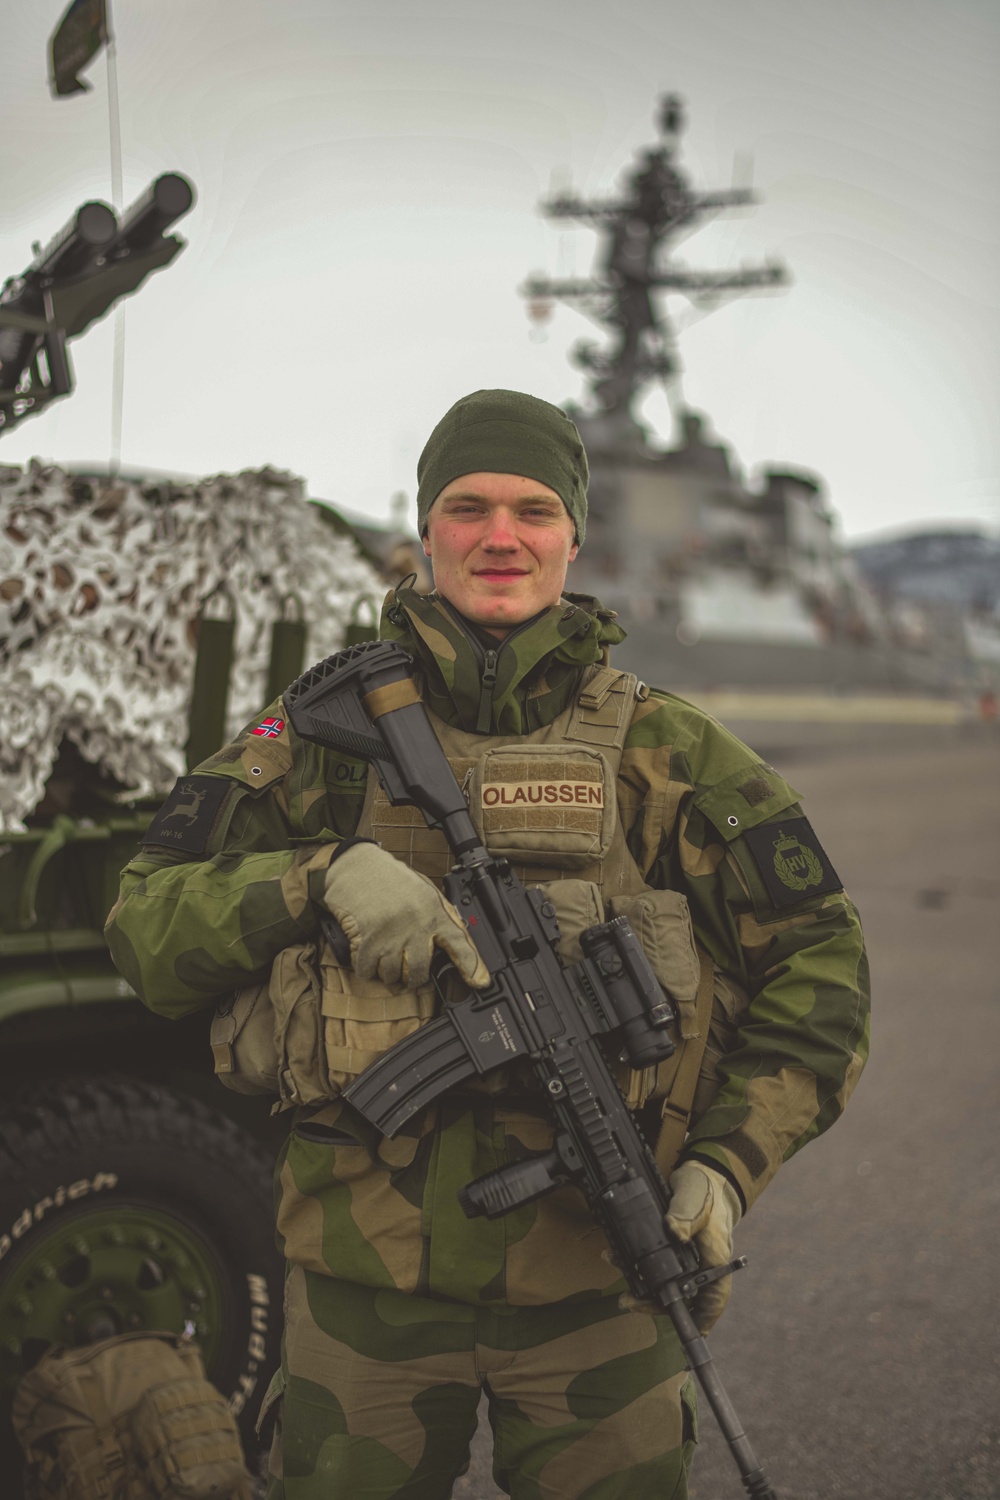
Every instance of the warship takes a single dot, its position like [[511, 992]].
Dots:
[[719, 580]]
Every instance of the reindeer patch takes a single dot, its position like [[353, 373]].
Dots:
[[186, 819]]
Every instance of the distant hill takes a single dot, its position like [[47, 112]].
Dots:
[[961, 568]]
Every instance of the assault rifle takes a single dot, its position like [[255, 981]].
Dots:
[[363, 701]]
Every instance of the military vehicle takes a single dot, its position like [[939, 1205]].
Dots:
[[135, 1192], [127, 1199]]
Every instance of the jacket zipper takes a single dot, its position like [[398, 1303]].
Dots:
[[487, 684], [489, 678], [488, 662]]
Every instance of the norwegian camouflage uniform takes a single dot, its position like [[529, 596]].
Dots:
[[399, 1309]]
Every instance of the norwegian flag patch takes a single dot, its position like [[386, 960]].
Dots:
[[270, 728]]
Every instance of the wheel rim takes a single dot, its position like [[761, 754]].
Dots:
[[110, 1271]]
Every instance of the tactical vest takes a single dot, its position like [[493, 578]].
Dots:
[[547, 801]]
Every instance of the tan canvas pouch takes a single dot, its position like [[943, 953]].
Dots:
[[298, 1025], [186, 1439], [544, 804], [267, 1038], [242, 1041], [363, 1018], [662, 923], [578, 905], [83, 1418]]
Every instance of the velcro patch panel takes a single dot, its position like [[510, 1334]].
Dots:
[[541, 802], [185, 820], [792, 862]]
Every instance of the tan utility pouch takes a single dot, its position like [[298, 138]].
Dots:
[[242, 1040], [662, 924], [363, 1018], [312, 1028], [128, 1418]]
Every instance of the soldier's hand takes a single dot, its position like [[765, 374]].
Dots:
[[705, 1208], [394, 919]]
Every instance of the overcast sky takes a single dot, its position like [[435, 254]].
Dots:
[[368, 178]]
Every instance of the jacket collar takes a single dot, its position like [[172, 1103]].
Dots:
[[514, 687]]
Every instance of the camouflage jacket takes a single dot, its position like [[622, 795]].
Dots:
[[236, 875]]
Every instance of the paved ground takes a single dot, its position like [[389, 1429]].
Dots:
[[861, 1344]]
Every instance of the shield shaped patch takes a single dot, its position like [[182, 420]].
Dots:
[[792, 862]]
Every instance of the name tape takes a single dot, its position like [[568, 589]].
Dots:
[[543, 793]]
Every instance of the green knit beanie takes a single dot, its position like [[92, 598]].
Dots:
[[505, 432]]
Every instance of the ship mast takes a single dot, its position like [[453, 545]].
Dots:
[[634, 262]]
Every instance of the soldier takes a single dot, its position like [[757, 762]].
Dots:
[[399, 1310]]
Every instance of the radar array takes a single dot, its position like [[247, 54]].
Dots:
[[634, 262]]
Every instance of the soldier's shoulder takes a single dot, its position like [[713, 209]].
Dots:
[[199, 810], [664, 720], [731, 783], [261, 753], [267, 751]]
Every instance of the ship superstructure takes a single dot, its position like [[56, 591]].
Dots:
[[718, 577], [635, 262], [664, 522]]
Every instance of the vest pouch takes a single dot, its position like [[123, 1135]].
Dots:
[[95, 1422], [267, 1037], [242, 1040], [363, 1018], [294, 992], [187, 1442], [578, 905], [662, 923], [547, 804]]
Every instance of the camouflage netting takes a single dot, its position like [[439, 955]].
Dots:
[[101, 582]]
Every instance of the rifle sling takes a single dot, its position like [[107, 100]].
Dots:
[[677, 1106]]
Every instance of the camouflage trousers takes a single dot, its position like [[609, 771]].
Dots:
[[378, 1393]]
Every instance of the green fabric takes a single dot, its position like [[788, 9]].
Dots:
[[505, 432]]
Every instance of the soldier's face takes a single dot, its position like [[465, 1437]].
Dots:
[[500, 545]]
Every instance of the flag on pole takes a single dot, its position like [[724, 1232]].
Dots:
[[78, 38]]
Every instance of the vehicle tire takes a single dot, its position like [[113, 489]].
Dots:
[[125, 1206]]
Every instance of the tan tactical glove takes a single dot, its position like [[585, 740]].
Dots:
[[705, 1208], [394, 919]]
